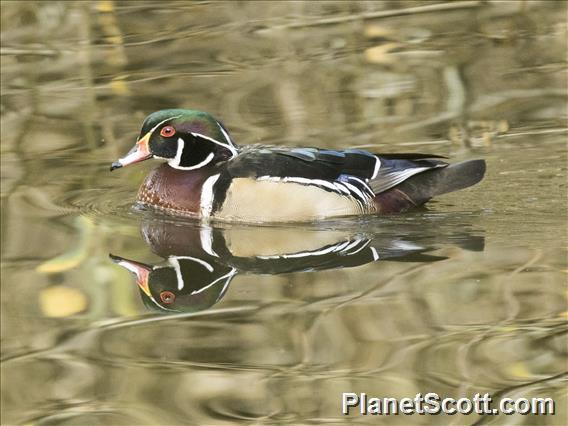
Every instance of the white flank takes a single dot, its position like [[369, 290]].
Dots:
[[207, 196]]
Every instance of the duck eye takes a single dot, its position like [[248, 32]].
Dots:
[[167, 131], [167, 297]]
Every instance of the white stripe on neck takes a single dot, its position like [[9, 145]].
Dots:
[[175, 162]]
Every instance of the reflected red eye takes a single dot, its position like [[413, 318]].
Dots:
[[167, 297], [167, 131]]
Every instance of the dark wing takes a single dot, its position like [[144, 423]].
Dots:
[[308, 163], [379, 172]]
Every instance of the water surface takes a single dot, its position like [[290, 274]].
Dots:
[[466, 296]]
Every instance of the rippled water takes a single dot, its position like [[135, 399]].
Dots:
[[466, 296]]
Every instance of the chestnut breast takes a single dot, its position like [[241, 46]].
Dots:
[[168, 188]]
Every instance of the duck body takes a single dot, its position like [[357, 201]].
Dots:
[[209, 177]]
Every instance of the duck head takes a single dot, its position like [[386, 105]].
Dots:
[[181, 283], [187, 139]]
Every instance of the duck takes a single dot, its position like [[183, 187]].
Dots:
[[199, 263], [206, 175]]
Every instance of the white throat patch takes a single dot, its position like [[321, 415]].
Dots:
[[175, 162]]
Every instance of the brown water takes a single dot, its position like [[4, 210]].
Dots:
[[468, 296]]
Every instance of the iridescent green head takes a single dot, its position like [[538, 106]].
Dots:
[[187, 139]]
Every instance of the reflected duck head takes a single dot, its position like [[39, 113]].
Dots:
[[181, 284]]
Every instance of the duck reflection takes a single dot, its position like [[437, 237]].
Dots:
[[200, 262]]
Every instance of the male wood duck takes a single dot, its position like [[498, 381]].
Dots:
[[200, 262], [208, 176]]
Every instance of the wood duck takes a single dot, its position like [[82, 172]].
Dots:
[[201, 261], [208, 176]]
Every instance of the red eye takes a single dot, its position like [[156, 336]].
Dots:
[[167, 131], [167, 297]]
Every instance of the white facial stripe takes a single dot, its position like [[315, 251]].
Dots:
[[197, 166], [225, 134], [176, 160], [162, 122], [174, 262], [228, 275], [160, 306], [227, 282], [207, 196], [229, 147], [194, 259]]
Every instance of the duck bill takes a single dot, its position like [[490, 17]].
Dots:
[[141, 270], [140, 152]]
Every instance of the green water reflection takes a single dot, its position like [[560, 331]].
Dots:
[[467, 296]]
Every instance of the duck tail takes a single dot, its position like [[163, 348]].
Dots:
[[420, 188]]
